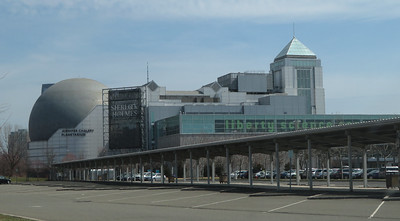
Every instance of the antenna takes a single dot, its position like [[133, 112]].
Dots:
[[147, 72], [294, 33]]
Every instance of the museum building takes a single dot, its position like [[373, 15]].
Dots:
[[82, 118]]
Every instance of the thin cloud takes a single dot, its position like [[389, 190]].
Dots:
[[267, 11]]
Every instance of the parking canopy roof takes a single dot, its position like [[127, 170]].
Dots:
[[360, 135]]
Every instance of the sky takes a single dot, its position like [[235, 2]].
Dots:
[[188, 44]]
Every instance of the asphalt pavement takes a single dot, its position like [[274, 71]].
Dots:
[[94, 201]]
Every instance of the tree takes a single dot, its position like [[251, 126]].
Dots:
[[13, 147]]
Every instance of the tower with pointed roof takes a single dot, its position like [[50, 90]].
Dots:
[[296, 70]]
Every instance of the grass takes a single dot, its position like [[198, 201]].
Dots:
[[12, 218]]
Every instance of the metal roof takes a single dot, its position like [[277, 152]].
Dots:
[[295, 49], [362, 134]]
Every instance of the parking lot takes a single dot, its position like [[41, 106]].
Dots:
[[90, 201]]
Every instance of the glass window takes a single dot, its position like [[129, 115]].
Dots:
[[303, 79]]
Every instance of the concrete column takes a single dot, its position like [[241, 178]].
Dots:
[[90, 174], [208, 166], [102, 170], [250, 166], [120, 170], [176, 167], [184, 171], [191, 167], [328, 167], [271, 166], [213, 170], [84, 171], [95, 169], [131, 165], [350, 153], [278, 172], [297, 169], [198, 170], [70, 173], [141, 170], [151, 169], [309, 176], [228, 161], [108, 170], [115, 170], [162, 169], [365, 167]]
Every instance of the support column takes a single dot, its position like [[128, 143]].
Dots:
[[208, 166], [328, 168], [131, 165], [228, 164], [365, 167], [198, 170], [108, 170], [84, 171], [95, 169], [90, 173], [115, 171], [309, 176], [120, 170], [278, 172], [191, 167], [176, 167], [141, 170], [162, 169], [271, 166], [350, 153], [102, 170], [151, 169], [213, 170], [297, 169], [250, 167], [184, 171]]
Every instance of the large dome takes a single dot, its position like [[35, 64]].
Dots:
[[63, 105]]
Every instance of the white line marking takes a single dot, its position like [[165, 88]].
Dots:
[[156, 194], [23, 217], [120, 192], [373, 214], [292, 204], [187, 197], [225, 201], [317, 195]]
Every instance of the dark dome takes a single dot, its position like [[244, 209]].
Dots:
[[63, 105]]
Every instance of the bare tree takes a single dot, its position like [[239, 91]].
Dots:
[[13, 147]]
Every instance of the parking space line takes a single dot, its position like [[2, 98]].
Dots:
[[155, 194], [377, 209], [181, 198], [108, 194], [225, 201], [282, 207]]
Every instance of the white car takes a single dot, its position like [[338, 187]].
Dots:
[[157, 177]]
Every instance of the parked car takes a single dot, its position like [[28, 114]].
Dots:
[[291, 174], [146, 176], [4, 180], [357, 173], [157, 177], [260, 174], [374, 174], [244, 174]]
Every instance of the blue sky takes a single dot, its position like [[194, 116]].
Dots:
[[190, 43]]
